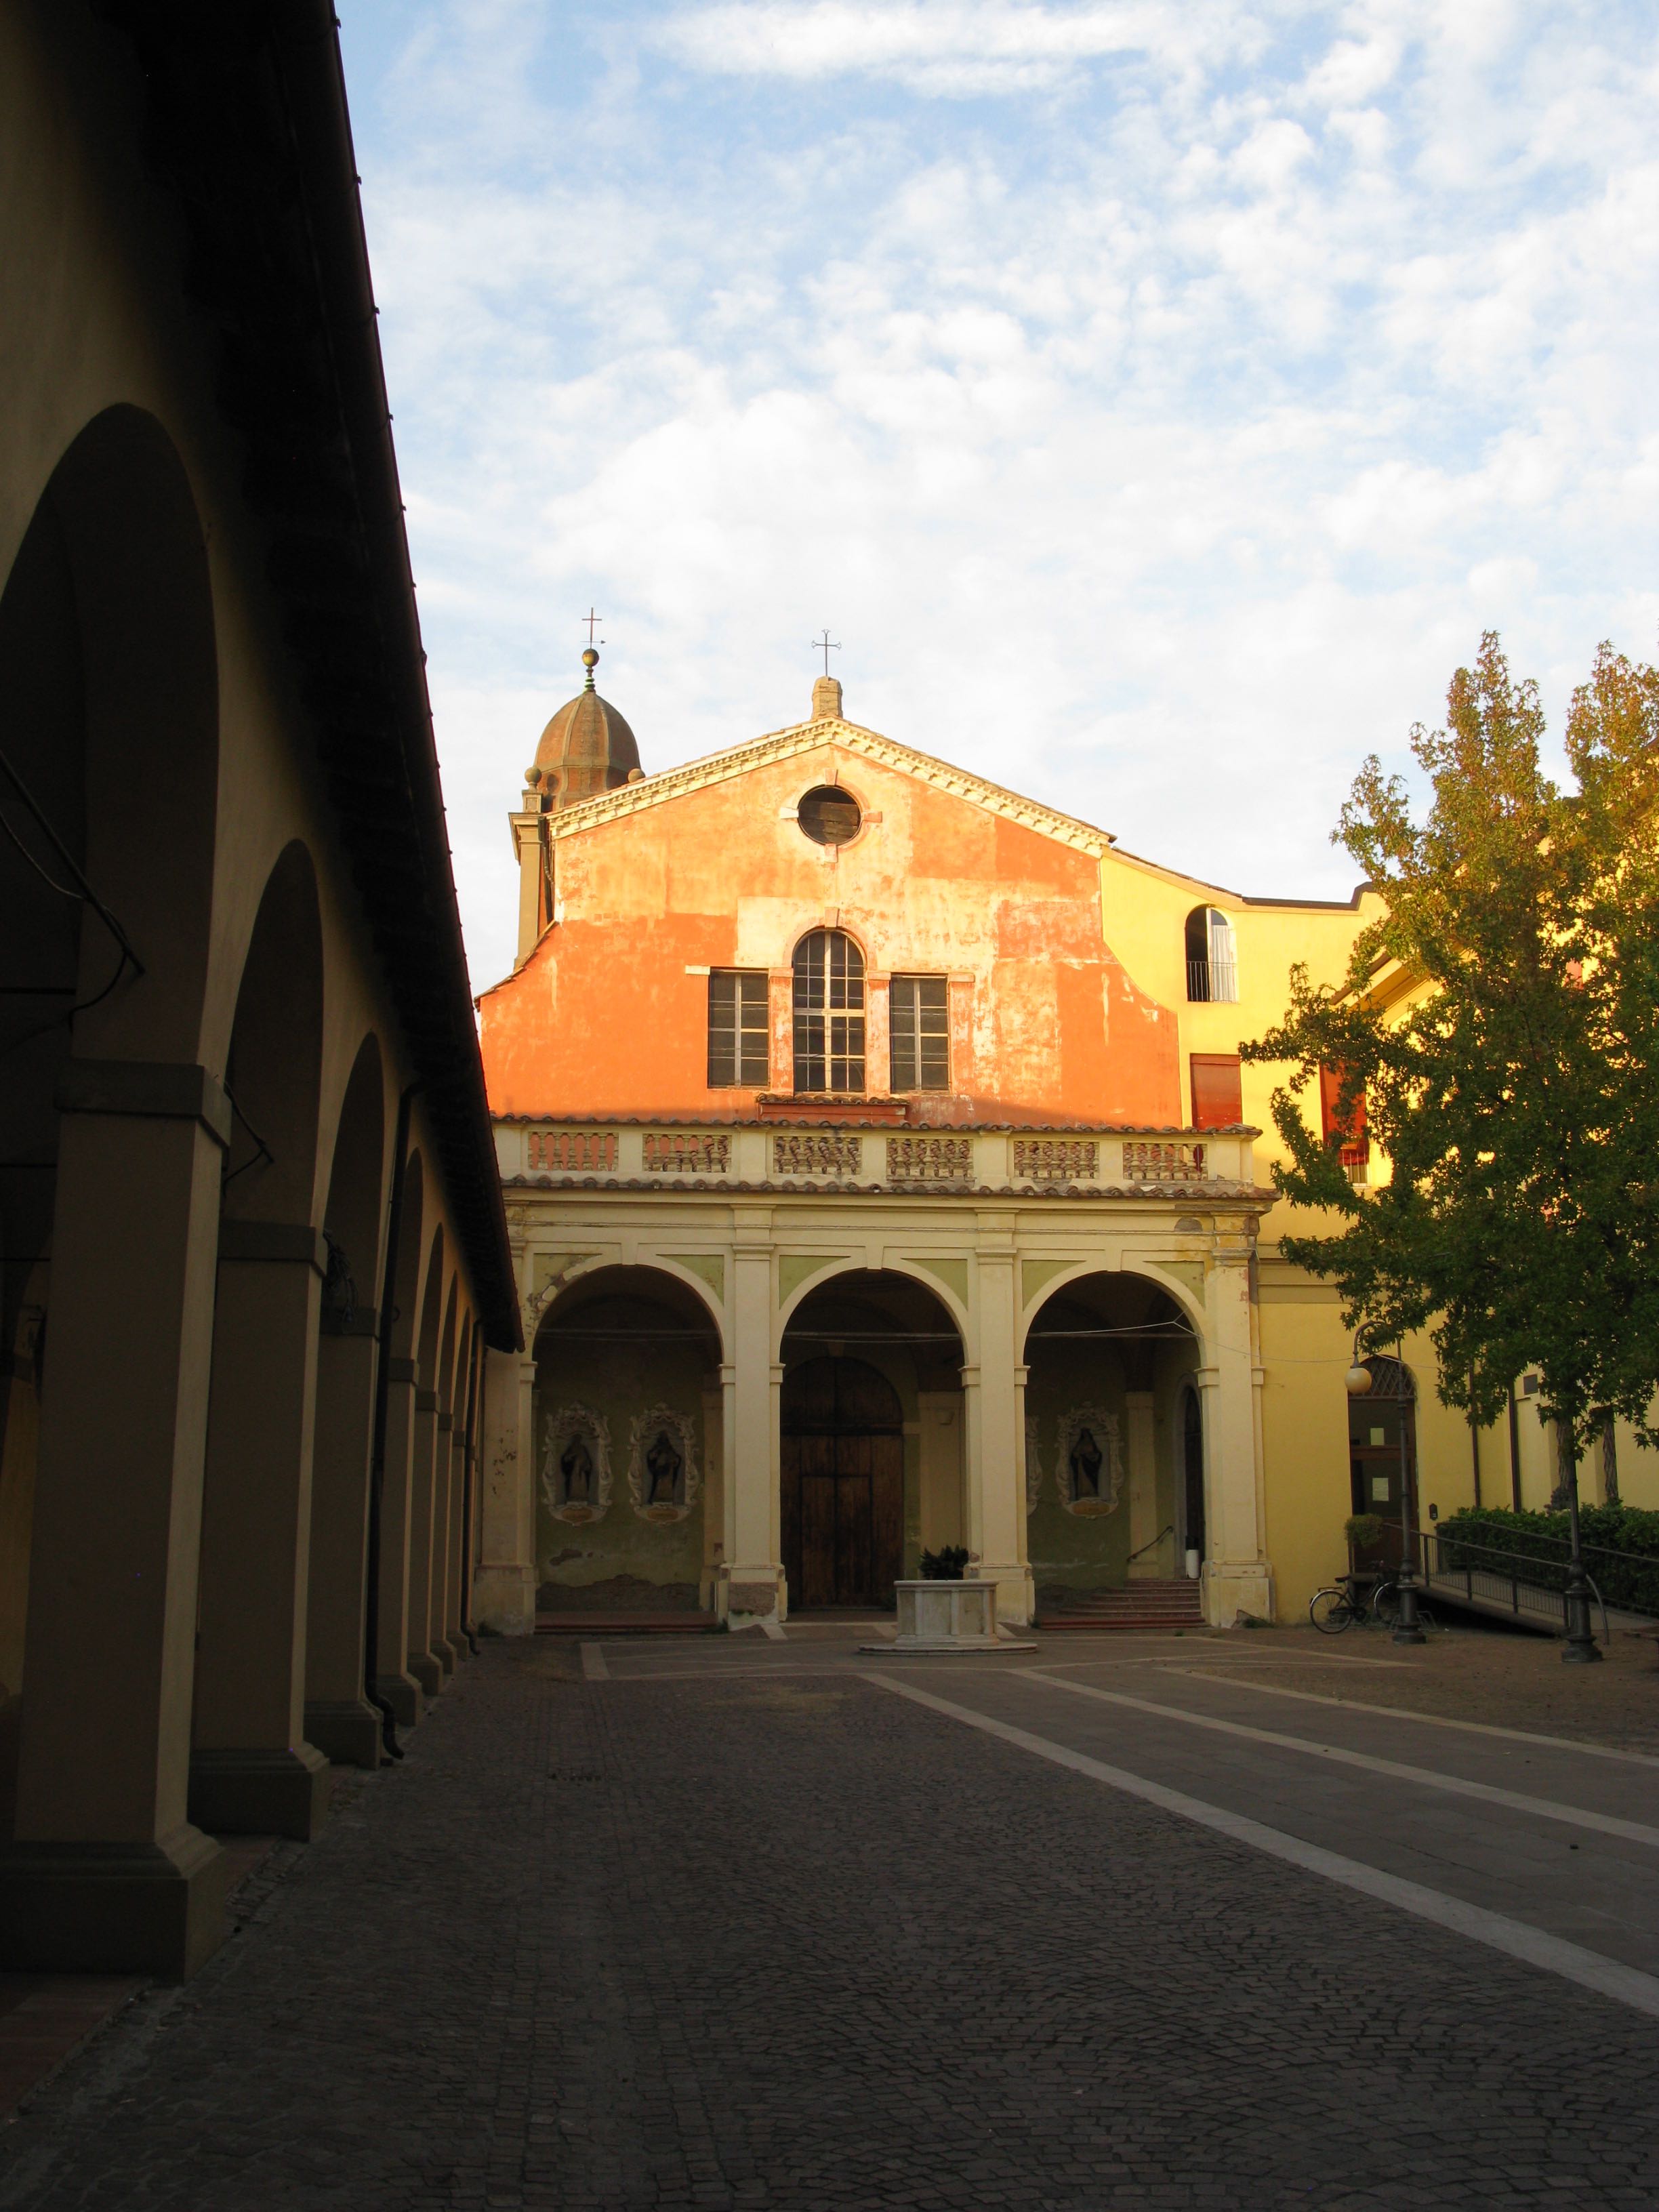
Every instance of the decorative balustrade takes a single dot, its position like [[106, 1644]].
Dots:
[[930, 1159], [1144, 1162], [573, 1152], [743, 1155], [833, 1153], [682, 1153], [1056, 1159]]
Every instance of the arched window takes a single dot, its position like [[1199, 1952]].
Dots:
[[828, 1013], [1211, 969]]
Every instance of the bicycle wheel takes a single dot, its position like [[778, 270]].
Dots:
[[1331, 1611], [1385, 1604]]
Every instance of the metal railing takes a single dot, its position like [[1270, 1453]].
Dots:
[[1211, 983], [1153, 1546], [1490, 1576]]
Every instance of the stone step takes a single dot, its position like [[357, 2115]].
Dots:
[[1137, 1605]]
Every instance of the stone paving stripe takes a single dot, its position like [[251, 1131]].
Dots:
[[1405, 1713], [1626, 1984], [1545, 1808], [593, 1667]]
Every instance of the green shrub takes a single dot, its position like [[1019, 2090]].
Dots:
[[1621, 1548], [945, 1565]]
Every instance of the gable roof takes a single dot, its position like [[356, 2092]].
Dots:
[[809, 737]]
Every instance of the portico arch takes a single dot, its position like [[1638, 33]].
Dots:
[[627, 1444], [251, 1768], [109, 1127], [870, 1426], [1105, 1354]]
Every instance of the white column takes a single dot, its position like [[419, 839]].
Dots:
[[749, 1582], [1141, 1452], [993, 1402], [504, 1587], [1238, 1577]]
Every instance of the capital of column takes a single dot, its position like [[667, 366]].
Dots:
[[168, 1090]]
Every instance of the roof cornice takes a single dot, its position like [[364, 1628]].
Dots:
[[809, 737]]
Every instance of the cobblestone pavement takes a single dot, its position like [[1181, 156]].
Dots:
[[788, 1941], [1471, 1671]]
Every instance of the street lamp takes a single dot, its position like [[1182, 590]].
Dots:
[[1407, 1629]]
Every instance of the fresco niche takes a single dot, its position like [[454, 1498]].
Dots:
[[576, 1465]]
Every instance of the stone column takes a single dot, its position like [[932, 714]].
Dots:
[[338, 1718], [422, 1661], [455, 1608], [1238, 1577], [996, 1437], [106, 1873], [252, 1771], [443, 1489], [714, 1494], [751, 1583], [504, 1591], [393, 1678], [1141, 1452]]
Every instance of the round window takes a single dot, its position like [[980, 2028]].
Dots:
[[828, 815]]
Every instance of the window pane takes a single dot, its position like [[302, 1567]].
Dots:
[[738, 1027], [829, 998], [919, 1025]]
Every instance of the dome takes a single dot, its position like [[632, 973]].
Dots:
[[585, 749]]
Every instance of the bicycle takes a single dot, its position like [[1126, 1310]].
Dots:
[[1345, 1602], [1338, 1607]]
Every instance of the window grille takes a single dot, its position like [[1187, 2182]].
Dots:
[[738, 1028], [828, 1013], [919, 1033]]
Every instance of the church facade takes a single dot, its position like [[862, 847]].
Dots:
[[882, 1176]]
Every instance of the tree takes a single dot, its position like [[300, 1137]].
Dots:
[[1500, 1022]]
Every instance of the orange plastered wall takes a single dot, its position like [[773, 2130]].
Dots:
[[604, 1019]]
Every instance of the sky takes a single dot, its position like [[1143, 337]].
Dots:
[[1155, 400]]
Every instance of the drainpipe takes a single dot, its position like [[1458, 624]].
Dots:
[[382, 1393]]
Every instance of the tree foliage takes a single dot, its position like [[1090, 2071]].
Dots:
[[1514, 1085]]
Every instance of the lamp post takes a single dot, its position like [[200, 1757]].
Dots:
[[1408, 1629]]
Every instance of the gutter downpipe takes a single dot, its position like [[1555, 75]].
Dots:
[[382, 1397]]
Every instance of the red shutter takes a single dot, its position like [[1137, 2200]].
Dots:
[[1349, 1126], [1217, 1091]]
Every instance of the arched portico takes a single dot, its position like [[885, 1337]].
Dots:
[[627, 1444], [870, 1436]]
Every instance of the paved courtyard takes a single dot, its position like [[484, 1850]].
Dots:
[[728, 1922]]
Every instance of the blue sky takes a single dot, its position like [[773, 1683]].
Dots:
[[1156, 400]]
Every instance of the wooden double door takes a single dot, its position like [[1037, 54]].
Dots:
[[843, 1483]]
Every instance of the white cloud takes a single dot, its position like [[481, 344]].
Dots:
[[1155, 438]]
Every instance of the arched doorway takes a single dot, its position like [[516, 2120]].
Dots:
[[1383, 1456], [843, 1483], [870, 1465], [1113, 1449], [627, 1444]]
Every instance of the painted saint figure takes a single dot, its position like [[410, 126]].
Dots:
[[1086, 1465], [662, 1464], [576, 1466]]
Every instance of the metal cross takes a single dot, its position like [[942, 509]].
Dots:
[[826, 647], [592, 621]]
